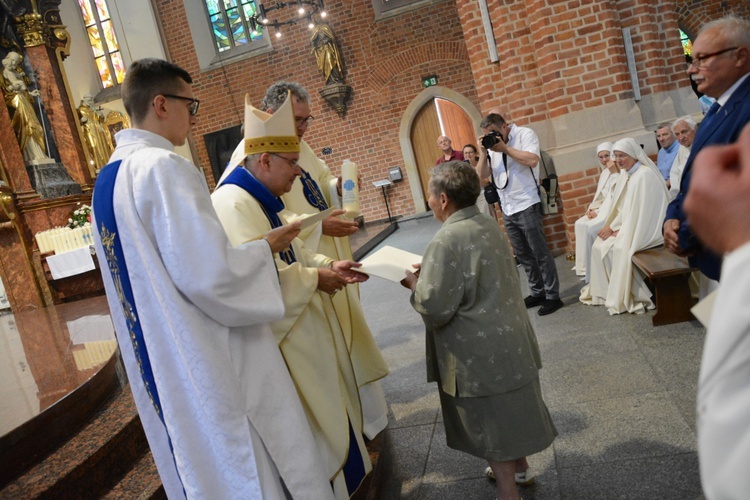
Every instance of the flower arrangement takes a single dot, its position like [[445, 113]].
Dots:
[[80, 217]]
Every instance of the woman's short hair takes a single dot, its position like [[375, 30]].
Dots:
[[147, 78], [473, 148], [458, 180]]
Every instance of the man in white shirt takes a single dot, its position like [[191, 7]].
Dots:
[[717, 206], [684, 130], [191, 312], [513, 159]]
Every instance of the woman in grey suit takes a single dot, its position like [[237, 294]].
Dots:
[[481, 347]]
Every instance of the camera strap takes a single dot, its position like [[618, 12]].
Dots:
[[505, 167]]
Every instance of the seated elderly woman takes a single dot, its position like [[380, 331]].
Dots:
[[481, 347], [593, 220], [633, 224]]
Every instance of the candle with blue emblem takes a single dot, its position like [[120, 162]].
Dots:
[[349, 189]]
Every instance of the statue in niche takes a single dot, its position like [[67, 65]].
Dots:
[[19, 100], [327, 54], [95, 133]]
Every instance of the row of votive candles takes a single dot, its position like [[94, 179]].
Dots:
[[64, 239]]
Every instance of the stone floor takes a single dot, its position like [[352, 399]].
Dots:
[[621, 393]]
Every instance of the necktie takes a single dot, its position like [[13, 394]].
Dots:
[[711, 112]]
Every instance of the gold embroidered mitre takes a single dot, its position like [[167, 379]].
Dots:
[[265, 133]]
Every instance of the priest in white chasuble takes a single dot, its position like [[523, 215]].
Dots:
[[615, 282], [309, 336], [315, 191], [191, 313]]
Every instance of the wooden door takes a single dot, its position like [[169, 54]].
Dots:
[[455, 124], [424, 133]]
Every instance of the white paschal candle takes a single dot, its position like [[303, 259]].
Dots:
[[349, 189]]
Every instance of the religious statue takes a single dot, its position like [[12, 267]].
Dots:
[[20, 101], [327, 54], [96, 135]]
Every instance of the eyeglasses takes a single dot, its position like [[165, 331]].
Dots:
[[292, 163], [302, 121], [697, 62], [194, 103]]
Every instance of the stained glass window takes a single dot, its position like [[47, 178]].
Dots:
[[103, 41], [687, 44], [230, 23]]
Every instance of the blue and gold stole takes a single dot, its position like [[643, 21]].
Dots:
[[312, 192], [270, 204], [104, 212]]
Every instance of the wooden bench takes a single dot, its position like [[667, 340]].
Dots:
[[669, 277]]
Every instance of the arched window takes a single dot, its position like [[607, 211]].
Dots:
[[687, 44], [103, 41], [230, 25]]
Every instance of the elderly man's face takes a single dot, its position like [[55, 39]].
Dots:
[[665, 137], [282, 170], [719, 71], [444, 144], [684, 134], [624, 161]]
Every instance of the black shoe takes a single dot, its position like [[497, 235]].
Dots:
[[532, 301], [550, 306]]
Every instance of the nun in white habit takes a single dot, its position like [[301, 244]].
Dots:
[[593, 220], [635, 225]]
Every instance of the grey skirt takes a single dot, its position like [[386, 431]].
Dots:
[[500, 428]]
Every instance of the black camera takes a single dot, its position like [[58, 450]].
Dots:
[[491, 139]]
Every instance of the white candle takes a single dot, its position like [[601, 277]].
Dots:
[[349, 189]]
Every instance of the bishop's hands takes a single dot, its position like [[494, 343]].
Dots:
[[280, 238], [718, 201], [335, 226], [340, 274]]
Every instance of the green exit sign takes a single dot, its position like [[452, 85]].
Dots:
[[429, 81]]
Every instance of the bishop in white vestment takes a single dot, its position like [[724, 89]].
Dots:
[[309, 336]]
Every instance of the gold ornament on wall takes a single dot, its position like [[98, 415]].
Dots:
[[331, 65], [96, 135], [20, 102]]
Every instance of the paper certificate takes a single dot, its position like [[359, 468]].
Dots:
[[314, 218], [389, 263]]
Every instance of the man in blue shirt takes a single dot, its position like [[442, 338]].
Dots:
[[669, 148]]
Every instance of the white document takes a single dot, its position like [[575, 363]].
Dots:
[[703, 309], [314, 218], [389, 263]]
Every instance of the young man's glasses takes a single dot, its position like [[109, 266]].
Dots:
[[194, 103]]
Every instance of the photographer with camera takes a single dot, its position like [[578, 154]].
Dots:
[[512, 154]]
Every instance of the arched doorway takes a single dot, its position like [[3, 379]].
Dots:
[[434, 112]]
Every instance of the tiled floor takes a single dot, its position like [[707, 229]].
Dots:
[[621, 392]]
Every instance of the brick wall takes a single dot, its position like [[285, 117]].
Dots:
[[385, 62], [557, 57]]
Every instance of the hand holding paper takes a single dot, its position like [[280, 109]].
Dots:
[[390, 263]]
